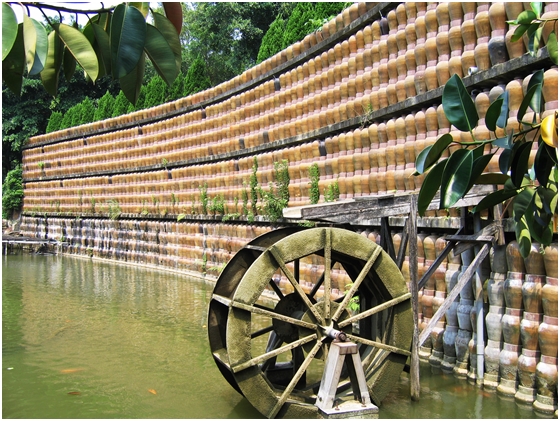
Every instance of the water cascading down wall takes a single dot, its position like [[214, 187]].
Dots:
[[361, 98]]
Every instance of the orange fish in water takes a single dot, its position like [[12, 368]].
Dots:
[[74, 393], [152, 391], [71, 370]]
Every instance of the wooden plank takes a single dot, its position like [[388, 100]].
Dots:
[[413, 259], [468, 274]]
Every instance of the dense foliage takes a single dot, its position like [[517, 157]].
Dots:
[[12, 192], [292, 25]]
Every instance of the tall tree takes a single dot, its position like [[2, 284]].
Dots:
[[227, 36]]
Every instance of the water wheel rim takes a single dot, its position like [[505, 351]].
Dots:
[[374, 275]]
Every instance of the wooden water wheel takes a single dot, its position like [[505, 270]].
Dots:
[[272, 350]]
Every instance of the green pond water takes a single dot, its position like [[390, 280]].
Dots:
[[88, 339]]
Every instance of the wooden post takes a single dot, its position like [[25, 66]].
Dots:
[[413, 257]]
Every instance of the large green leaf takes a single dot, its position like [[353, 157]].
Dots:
[[539, 218], [102, 47], [493, 199], [171, 36], [534, 34], [536, 7], [431, 154], [492, 178], [543, 164], [536, 100], [493, 113], [523, 236], [526, 17], [49, 75], [29, 40], [521, 202], [479, 164], [41, 49], [520, 163], [552, 47], [456, 177], [161, 55], [458, 105], [128, 37], [9, 29], [518, 32], [80, 48], [143, 6], [526, 102], [430, 186], [132, 82], [68, 64], [13, 65]]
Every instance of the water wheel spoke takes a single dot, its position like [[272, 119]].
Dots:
[[357, 282], [327, 278], [377, 344], [374, 310], [258, 310], [301, 370], [261, 332], [267, 355], [276, 289], [295, 284]]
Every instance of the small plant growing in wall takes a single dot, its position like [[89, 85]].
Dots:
[[332, 192], [253, 186], [114, 209], [174, 201], [204, 198], [218, 205], [144, 210], [278, 195], [41, 166], [164, 162], [92, 202], [155, 204], [314, 181]]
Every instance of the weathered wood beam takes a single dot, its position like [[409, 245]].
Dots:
[[465, 277]]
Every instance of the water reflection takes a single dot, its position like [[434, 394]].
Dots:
[[114, 333]]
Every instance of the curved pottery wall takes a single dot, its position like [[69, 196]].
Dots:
[[361, 98]]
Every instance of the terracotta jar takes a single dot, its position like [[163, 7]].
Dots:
[[468, 32], [548, 336], [550, 12], [508, 369], [462, 353], [497, 44], [449, 354], [492, 364], [549, 296], [531, 291], [534, 262], [547, 385], [526, 371], [550, 91]]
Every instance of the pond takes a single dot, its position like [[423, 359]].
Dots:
[[91, 339]]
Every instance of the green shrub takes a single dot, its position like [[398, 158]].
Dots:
[[121, 105], [76, 115], [104, 107], [12, 192], [273, 40], [67, 119], [155, 92], [54, 122], [314, 176], [87, 111], [197, 79]]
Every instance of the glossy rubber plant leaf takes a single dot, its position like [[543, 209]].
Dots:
[[493, 113], [526, 17], [29, 40], [143, 6], [431, 154], [456, 177], [534, 34], [174, 13], [521, 202], [492, 178], [523, 236], [520, 163], [536, 7], [525, 103], [102, 47], [128, 37], [41, 49], [430, 186], [9, 29], [13, 65], [80, 48], [68, 64], [132, 82], [518, 32], [539, 219], [493, 199], [161, 55], [458, 105], [479, 164], [536, 100], [168, 31], [49, 75], [552, 47], [543, 164]]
